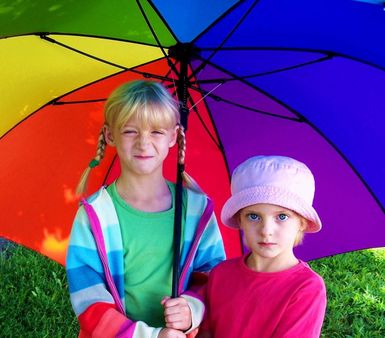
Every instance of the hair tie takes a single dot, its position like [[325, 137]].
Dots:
[[94, 163]]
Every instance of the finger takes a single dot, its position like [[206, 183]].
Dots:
[[174, 310], [164, 300], [178, 322], [170, 302], [177, 326]]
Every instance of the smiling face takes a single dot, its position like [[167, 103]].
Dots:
[[270, 233], [141, 148]]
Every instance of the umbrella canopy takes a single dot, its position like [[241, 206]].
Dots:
[[301, 79]]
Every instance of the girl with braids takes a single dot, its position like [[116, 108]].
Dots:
[[135, 215]]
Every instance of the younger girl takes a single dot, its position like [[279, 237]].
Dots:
[[268, 292], [118, 287]]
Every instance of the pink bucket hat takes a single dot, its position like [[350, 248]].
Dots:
[[275, 180]]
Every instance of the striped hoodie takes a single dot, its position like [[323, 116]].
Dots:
[[93, 304]]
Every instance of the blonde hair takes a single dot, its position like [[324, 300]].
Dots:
[[148, 101], [301, 233], [152, 105]]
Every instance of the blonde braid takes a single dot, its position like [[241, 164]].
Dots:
[[181, 140], [187, 179], [100, 151]]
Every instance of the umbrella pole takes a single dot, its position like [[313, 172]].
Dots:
[[181, 55]]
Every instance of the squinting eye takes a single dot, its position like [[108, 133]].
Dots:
[[253, 217], [283, 217], [158, 132]]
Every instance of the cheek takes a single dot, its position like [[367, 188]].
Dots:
[[171, 142], [293, 234]]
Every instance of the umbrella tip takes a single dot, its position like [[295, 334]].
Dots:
[[183, 51]]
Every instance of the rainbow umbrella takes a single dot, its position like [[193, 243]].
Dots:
[[297, 78]]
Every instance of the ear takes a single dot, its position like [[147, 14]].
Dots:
[[108, 135], [237, 217], [304, 224], [173, 137]]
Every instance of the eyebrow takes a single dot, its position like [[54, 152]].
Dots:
[[279, 211]]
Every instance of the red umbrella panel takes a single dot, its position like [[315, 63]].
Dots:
[[48, 152]]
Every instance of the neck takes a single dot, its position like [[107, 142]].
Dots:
[[145, 193], [262, 264]]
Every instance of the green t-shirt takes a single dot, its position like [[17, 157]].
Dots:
[[148, 257]]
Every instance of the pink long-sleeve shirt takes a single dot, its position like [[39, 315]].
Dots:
[[245, 303]]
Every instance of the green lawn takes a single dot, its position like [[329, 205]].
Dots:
[[355, 284], [34, 295]]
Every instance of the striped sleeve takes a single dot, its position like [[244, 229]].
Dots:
[[92, 303], [207, 253]]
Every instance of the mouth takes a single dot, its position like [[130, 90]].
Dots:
[[142, 157], [266, 245]]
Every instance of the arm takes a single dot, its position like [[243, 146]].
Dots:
[[92, 303], [170, 333], [305, 313], [209, 252], [204, 329], [202, 255]]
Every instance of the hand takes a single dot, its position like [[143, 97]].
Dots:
[[171, 333], [177, 313]]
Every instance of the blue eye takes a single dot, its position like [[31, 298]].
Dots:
[[253, 217], [283, 217]]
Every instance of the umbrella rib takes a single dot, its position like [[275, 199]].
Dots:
[[109, 169], [171, 65], [144, 74], [283, 69], [262, 112], [320, 51], [218, 143], [172, 80], [46, 33], [222, 16], [219, 98], [163, 20], [62, 103], [203, 123], [299, 118], [193, 107], [206, 61], [49, 39]]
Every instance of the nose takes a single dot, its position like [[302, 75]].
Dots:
[[267, 227], [143, 140]]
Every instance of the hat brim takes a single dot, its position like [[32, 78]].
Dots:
[[269, 195]]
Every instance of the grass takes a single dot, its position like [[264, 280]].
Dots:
[[35, 303], [33, 296], [355, 285]]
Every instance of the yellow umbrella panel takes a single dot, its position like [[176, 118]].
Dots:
[[36, 71]]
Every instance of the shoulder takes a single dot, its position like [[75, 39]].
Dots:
[[195, 195], [227, 265], [97, 195], [190, 194], [196, 202], [100, 198], [309, 278], [102, 204]]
